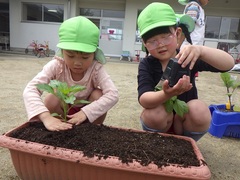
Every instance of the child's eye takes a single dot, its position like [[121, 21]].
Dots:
[[70, 56], [85, 57]]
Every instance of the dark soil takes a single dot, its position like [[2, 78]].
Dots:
[[104, 141]]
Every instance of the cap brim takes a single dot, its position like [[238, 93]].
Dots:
[[187, 20], [77, 47], [183, 2], [155, 25]]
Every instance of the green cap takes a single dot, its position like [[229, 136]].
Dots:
[[187, 21], [156, 15], [183, 2], [80, 34]]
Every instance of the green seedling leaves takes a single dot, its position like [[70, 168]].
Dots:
[[45, 87], [231, 85], [65, 93], [180, 107]]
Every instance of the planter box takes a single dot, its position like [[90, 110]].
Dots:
[[38, 161], [224, 123]]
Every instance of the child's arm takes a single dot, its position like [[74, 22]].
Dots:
[[214, 57], [152, 99]]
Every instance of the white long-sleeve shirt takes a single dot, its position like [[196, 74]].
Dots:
[[56, 69], [195, 10]]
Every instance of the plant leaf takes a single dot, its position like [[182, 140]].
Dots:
[[70, 99], [56, 115], [180, 107], [169, 105], [226, 77], [236, 108], [76, 88], [54, 83], [81, 102], [45, 87]]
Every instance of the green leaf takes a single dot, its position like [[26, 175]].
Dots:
[[82, 102], [236, 108], [56, 115], [169, 105], [64, 93], [226, 77], [158, 88], [180, 107], [63, 87], [70, 99], [54, 83], [76, 88], [45, 87]]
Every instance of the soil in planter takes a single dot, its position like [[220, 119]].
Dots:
[[104, 141]]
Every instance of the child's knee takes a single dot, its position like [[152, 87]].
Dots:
[[52, 103], [95, 95], [199, 110]]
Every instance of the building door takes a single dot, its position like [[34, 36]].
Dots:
[[110, 23], [111, 37]]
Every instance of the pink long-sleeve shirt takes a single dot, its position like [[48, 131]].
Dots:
[[56, 69]]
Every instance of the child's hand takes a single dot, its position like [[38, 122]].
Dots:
[[183, 85], [54, 124], [189, 55], [77, 118]]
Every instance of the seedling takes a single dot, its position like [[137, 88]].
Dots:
[[231, 85], [180, 107], [65, 94]]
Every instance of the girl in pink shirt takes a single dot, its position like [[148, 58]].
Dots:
[[80, 63]]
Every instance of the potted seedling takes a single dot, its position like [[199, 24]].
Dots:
[[231, 85], [226, 117], [65, 94], [100, 152]]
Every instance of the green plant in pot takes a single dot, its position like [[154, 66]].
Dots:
[[231, 85], [65, 94], [226, 117]]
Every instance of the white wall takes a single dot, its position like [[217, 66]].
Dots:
[[22, 33]]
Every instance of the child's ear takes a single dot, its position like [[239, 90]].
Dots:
[[180, 37]]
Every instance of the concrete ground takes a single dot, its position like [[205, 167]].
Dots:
[[221, 154]]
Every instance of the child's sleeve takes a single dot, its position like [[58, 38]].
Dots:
[[109, 98]]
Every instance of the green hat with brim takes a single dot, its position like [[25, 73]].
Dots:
[[187, 21], [183, 2], [80, 34], [156, 15]]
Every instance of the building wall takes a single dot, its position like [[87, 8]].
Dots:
[[22, 33]]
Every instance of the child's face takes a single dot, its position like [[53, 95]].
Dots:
[[78, 62], [162, 46]]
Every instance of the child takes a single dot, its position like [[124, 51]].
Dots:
[[194, 9], [186, 23], [158, 28], [81, 63]]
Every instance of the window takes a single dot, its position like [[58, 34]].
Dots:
[[101, 13], [110, 22], [113, 14], [42, 12], [212, 27], [90, 12], [223, 28]]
